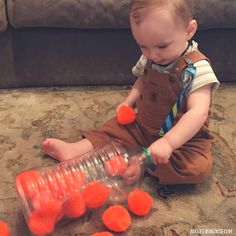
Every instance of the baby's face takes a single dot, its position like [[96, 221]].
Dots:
[[161, 36]]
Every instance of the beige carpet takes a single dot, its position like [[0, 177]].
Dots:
[[27, 116]]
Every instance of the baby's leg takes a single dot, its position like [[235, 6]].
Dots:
[[63, 151]]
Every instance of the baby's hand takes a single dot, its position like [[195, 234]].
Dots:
[[124, 103], [133, 172], [160, 151]]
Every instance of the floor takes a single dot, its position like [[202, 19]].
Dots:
[[28, 116]]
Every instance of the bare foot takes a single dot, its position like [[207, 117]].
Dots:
[[63, 151]]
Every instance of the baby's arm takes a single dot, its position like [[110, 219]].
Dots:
[[198, 103], [133, 94]]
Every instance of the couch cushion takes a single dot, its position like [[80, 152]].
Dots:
[[3, 18], [69, 13], [106, 13], [216, 14]]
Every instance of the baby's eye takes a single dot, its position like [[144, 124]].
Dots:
[[142, 47], [163, 46]]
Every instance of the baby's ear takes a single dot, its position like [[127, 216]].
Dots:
[[191, 29]]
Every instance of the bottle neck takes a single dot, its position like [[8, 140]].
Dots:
[[145, 159]]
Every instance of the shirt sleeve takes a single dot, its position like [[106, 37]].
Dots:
[[204, 76], [138, 69]]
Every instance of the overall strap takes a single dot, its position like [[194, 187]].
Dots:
[[147, 66], [190, 69]]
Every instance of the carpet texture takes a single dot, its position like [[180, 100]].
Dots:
[[28, 116]]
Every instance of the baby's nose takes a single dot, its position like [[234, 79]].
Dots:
[[153, 55]]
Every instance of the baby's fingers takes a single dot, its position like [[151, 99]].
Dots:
[[130, 179], [130, 175], [162, 160]]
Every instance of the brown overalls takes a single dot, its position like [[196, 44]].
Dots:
[[191, 163]]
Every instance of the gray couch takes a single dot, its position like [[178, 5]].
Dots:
[[69, 42]]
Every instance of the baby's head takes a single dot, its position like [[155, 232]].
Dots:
[[182, 9], [162, 27]]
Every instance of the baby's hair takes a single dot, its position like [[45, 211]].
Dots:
[[181, 8]]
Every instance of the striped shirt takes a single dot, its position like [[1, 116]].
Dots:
[[204, 72]]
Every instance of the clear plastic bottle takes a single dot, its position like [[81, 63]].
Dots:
[[68, 189]]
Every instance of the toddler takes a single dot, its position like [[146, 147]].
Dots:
[[172, 94]]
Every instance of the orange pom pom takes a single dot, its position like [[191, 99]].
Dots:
[[4, 229], [116, 166], [46, 213], [116, 218], [95, 194], [105, 233], [139, 202], [126, 115], [26, 183], [74, 206]]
